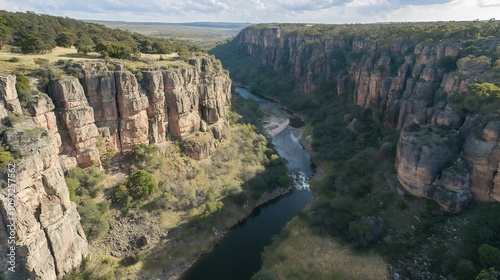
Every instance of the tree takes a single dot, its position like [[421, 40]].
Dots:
[[84, 49], [141, 184], [489, 256], [116, 50], [121, 196], [30, 43], [66, 39], [5, 34], [488, 274], [159, 47]]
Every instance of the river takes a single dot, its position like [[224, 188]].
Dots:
[[237, 256]]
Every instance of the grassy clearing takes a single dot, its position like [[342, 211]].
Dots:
[[300, 254], [11, 62], [26, 62]]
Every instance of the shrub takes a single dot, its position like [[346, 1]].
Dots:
[[84, 182], [489, 256], [121, 196], [145, 157], [84, 49], [116, 50], [5, 159], [74, 189], [23, 87], [490, 274], [94, 218], [465, 270], [212, 207], [141, 184]]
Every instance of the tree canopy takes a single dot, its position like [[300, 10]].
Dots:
[[38, 33]]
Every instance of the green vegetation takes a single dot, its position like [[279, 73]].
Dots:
[[481, 98], [35, 33], [179, 194], [417, 32], [84, 186], [102, 268], [5, 159], [359, 200], [141, 184], [289, 257]]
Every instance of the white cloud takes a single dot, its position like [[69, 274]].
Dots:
[[323, 11]]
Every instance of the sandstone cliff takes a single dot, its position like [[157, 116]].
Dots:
[[65, 128], [402, 82]]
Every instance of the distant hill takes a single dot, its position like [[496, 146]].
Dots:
[[203, 34], [219, 25]]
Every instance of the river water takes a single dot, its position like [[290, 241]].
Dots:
[[237, 256]]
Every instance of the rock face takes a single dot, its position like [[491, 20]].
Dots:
[[422, 156], [402, 84], [8, 94], [191, 91], [50, 240], [69, 126], [76, 119]]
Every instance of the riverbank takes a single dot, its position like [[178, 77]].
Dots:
[[175, 273], [269, 214], [274, 125]]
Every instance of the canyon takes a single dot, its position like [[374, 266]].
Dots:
[[443, 154], [81, 122]]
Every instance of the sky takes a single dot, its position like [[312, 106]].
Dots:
[[255, 11]]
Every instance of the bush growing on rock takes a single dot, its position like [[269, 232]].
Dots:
[[145, 157], [122, 197], [5, 159], [141, 184], [94, 218]]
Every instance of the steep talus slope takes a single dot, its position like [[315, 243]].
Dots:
[[406, 77], [78, 123]]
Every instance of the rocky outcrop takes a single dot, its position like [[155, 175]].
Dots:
[[403, 83], [68, 127], [8, 95], [76, 119], [197, 90], [157, 109], [100, 89], [423, 154], [482, 152], [50, 240], [132, 105]]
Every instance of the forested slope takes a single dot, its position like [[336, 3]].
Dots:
[[34, 33]]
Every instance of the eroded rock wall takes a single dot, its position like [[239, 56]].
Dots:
[[50, 239], [73, 124], [403, 83]]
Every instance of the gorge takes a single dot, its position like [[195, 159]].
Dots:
[[392, 109], [403, 82], [402, 121]]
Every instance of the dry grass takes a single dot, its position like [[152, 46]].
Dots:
[[26, 62], [305, 255]]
